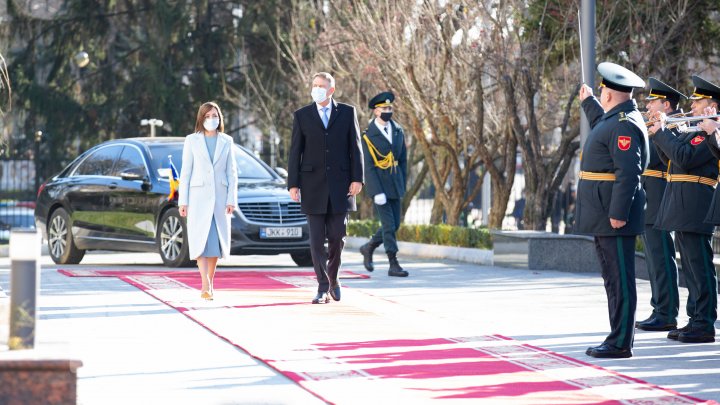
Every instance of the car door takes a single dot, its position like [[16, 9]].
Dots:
[[86, 196], [131, 204]]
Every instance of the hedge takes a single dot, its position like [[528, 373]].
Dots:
[[446, 235]]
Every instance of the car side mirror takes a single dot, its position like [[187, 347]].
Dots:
[[132, 175], [282, 172], [136, 175]]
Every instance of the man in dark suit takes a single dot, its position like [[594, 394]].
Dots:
[[386, 170], [610, 199], [325, 165], [659, 245]]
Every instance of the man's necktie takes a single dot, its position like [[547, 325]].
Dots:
[[324, 116]]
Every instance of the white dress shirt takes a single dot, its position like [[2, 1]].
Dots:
[[388, 134], [329, 109]]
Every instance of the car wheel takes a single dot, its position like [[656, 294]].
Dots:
[[61, 246], [172, 241], [303, 259]]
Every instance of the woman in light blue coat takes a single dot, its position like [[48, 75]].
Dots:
[[208, 192]]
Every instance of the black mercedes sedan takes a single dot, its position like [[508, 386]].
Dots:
[[115, 196]]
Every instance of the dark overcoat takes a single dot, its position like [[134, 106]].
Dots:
[[324, 161], [617, 145], [685, 204], [713, 214], [655, 186], [389, 181]]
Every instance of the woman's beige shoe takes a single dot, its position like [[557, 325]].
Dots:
[[206, 296]]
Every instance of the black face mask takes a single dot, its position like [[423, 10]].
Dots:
[[385, 116]]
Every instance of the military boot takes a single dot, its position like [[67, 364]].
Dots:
[[367, 251], [395, 269]]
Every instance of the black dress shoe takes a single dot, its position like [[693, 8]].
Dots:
[[606, 351], [649, 318], [673, 334], [696, 336], [321, 298], [335, 292], [656, 324]]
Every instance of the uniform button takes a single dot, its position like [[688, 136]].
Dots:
[[327, 150], [328, 167]]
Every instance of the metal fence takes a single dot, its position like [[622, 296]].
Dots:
[[19, 181], [419, 211]]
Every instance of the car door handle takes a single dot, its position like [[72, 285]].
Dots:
[[112, 186]]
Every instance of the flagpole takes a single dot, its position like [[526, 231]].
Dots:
[[587, 55]]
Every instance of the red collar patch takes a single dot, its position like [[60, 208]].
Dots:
[[624, 142], [697, 140]]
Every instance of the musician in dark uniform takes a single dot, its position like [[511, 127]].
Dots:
[[611, 200], [385, 157], [692, 178], [659, 245]]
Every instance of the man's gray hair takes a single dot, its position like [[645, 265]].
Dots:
[[327, 76]]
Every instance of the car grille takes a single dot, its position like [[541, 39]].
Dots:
[[272, 212]]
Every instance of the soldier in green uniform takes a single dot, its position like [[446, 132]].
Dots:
[[610, 199], [692, 177], [659, 245], [385, 157]]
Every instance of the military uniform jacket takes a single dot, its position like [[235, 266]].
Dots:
[[324, 161], [617, 144], [685, 204], [654, 186], [389, 181], [713, 214]]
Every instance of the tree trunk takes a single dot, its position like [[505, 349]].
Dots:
[[454, 211], [436, 216], [535, 208], [500, 198]]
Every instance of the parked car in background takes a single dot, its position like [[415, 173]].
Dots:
[[14, 216], [115, 197]]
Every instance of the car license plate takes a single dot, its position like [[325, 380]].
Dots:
[[288, 232]]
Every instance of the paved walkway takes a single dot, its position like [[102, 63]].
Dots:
[[137, 350]]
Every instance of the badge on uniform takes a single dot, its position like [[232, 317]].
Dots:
[[697, 140], [624, 142]]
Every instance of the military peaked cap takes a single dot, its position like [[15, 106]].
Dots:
[[660, 90], [383, 99], [704, 89], [619, 78]]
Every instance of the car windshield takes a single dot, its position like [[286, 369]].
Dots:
[[248, 167]]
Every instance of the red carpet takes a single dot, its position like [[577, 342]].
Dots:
[[365, 349]]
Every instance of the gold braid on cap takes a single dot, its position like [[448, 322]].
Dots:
[[388, 161]]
